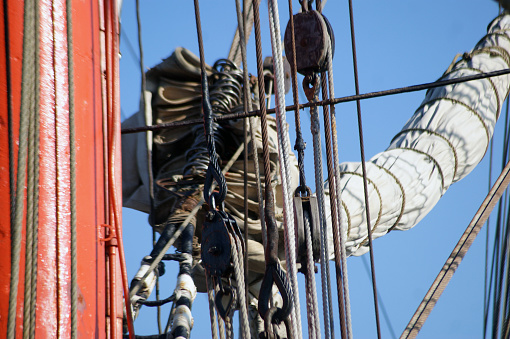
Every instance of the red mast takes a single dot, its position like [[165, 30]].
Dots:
[[96, 174]]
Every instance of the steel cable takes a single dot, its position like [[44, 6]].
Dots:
[[335, 220], [363, 166], [336, 164], [313, 307], [290, 250], [72, 160], [324, 257], [27, 100]]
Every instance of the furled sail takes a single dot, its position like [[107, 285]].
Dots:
[[443, 141]]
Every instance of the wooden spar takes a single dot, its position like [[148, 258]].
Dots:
[[93, 152]]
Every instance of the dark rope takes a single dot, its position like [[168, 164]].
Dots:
[[365, 184], [214, 170], [300, 144], [335, 223], [273, 267]]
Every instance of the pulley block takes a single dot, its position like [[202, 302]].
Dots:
[[307, 216], [216, 246], [312, 31]]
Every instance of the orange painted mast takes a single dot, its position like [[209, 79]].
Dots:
[[96, 173]]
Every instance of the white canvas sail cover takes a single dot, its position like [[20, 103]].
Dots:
[[443, 141]]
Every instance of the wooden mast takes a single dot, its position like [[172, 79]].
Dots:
[[97, 141]]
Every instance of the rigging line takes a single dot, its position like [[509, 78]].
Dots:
[[335, 101], [502, 245], [498, 253], [113, 144], [505, 268], [28, 73], [273, 268], [148, 143], [486, 296], [383, 308], [289, 228], [333, 205], [129, 45], [30, 293], [300, 146], [336, 162], [247, 106], [319, 181], [365, 185], [457, 255], [246, 27], [72, 159], [181, 228]]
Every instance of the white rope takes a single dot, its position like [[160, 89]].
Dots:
[[336, 162], [313, 307], [212, 311], [238, 256], [283, 155], [317, 158]]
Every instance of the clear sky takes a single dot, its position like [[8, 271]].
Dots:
[[399, 43]]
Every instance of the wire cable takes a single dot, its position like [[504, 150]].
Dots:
[[363, 166]]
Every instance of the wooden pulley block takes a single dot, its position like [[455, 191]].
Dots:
[[216, 246], [312, 31], [307, 215]]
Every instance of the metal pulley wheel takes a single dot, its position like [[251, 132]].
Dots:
[[312, 31]]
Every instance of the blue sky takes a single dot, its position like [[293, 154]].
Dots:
[[399, 43]]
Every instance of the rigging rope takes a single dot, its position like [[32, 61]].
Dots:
[[72, 161], [365, 185], [283, 154], [28, 89], [334, 196], [324, 257], [300, 145], [273, 272], [247, 106], [369, 95], [458, 253], [149, 140], [341, 232]]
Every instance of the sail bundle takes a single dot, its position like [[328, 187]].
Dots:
[[443, 141]]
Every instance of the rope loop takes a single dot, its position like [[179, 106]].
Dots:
[[305, 6], [274, 274]]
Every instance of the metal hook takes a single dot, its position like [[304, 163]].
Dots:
[[310, 83]]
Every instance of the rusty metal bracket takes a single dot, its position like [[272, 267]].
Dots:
[[111, 232]]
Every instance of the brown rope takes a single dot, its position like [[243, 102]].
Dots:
[[333, 206]]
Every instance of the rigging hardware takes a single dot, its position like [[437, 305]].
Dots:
[[307, 215], [312, 31]]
